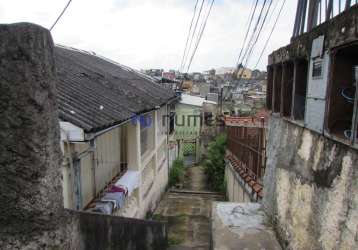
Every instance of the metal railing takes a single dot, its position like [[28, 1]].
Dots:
[[247, 144]]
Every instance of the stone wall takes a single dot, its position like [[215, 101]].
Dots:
[[311, 189], [31, 211]]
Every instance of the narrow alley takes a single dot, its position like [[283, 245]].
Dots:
[[188, 212]]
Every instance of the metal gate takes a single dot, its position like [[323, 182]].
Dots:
[[189, 152]]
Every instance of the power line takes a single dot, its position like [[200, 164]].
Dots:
[[249, 45], [201, 35], [272, 30], [58, 18], [248, 30], [193, 34], [272, 12], [187, 39], [253, 40], [259, 33]]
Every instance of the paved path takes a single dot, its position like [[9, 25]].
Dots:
[[188, 212]]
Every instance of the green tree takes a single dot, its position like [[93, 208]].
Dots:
[[215, 163]]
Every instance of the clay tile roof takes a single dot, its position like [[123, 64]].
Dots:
[[257, 188], [252, 183], [95, 93]]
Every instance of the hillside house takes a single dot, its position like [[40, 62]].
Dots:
[[114, 134], [190, 116]]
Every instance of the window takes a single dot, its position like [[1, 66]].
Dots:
[[342, 106], [317, 70]]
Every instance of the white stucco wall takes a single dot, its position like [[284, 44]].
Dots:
[[234, 189]]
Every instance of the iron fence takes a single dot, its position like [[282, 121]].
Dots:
[[247, 144]]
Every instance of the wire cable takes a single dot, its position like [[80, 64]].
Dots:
[[254, 34], [253, 40], [59, 17], [193, 34], [201, 35], [187, 39], [272, 30], [259, 33], [248, 30]]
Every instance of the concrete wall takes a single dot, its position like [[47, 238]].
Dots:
[[235, 186], [96, 168], [31, 211], [311, 188], [154, 167], [117, 233]]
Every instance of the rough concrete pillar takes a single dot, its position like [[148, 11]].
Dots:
[[30, 178]]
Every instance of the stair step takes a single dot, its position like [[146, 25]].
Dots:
[[186, 191]]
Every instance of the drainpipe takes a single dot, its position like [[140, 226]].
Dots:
[[91, 150], [94, 165]]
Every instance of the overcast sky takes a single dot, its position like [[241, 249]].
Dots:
[[151, 33]]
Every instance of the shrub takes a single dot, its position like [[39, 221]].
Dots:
[[215, 163], [176, 172]]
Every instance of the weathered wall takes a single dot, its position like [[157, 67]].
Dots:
[[31, 211], [311, 189], [338, 31], [118, 233]]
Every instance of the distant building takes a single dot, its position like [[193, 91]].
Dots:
[[214, 97], [153, 72], [169, 75], [189, 123], [224, 70], [244, 73], [197, 76], [187, 86]]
